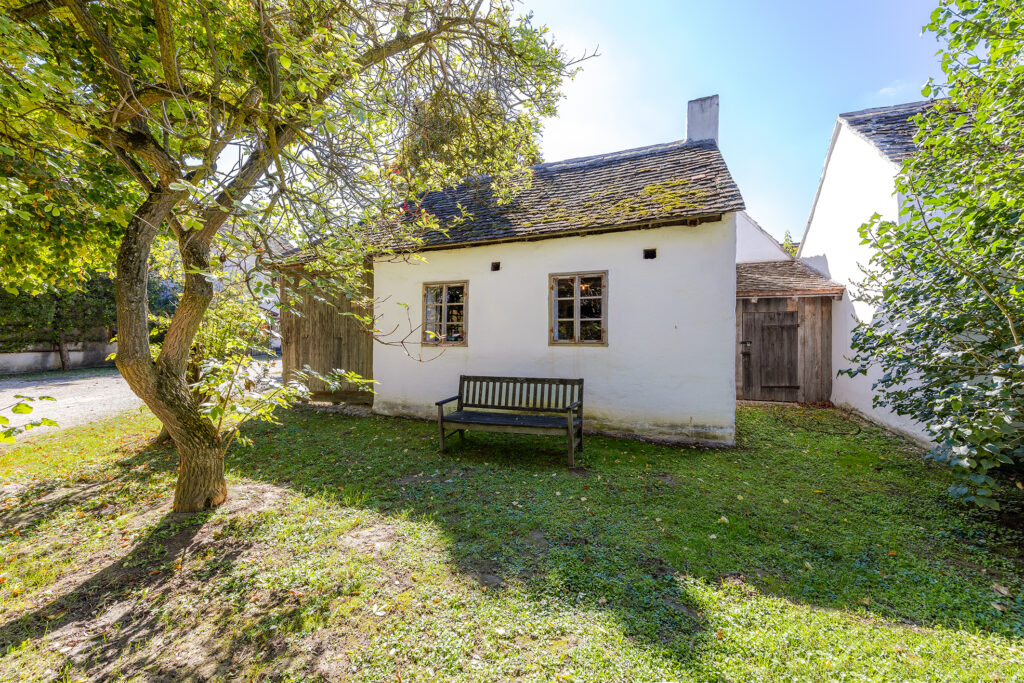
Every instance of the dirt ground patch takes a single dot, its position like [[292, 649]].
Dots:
[[374, 539]]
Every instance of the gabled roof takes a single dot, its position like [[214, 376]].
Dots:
[[678, 182], [783, 278], [890, 129]]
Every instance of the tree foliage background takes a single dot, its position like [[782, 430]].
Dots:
[[948, 279]]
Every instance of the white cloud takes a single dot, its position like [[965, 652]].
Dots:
[[899, 91]]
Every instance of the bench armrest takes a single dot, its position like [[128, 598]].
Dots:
[[575, 405], [447, 400]]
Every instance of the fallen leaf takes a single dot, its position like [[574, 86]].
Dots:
[[999, 606], [1002, 590], [808, 565], [723, 520], [865, 601]]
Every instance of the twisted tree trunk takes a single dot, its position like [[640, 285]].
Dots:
[[162, 383]]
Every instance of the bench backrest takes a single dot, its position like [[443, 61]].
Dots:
[[535, 394]]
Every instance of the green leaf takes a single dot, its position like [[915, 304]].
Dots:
[[21, 409]]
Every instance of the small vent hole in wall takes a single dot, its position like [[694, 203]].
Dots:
[[495, 265], [650, 253]]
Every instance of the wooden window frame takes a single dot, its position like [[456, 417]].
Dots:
[[445, 284], [553, 308]]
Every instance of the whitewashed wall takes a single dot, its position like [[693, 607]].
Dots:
[[857, 182], [753, 244], [667, 371], [81, 355]]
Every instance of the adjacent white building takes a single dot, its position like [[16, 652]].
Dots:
[[754, 244], [858, 181]]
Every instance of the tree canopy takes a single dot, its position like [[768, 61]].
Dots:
[[948, 279], [214, 126]]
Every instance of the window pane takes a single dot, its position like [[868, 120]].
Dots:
[[564, 287], [456, 294], [432, 333], [455, 334], [432, 314], [565, 331], [590, 286], [590, 308], [565, 309], [454, 313], [590, 330], [433, 295]]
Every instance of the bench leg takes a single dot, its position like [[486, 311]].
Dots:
[[462, 435], [571, 433], [440, 426]]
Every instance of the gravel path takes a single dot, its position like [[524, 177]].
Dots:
[[82, 396]]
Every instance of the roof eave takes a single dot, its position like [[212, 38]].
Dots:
[[786, 293], [581, 232]]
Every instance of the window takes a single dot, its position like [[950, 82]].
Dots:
[[444, 313], [579, 308]]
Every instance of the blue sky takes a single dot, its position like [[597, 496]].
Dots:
[[783, 70]]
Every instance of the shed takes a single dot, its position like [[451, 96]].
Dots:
[[784, 332]]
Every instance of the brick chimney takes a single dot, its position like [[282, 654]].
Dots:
[[702, 119]]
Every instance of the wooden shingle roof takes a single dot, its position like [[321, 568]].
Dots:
[[890, 129], [677, 182], [783, 278]]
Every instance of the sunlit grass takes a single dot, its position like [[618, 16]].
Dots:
[[818, 548]]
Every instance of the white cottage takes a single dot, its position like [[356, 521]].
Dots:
[[617, 268], [858, 180]]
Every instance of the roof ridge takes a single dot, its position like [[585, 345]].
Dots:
[[578, 162], [888, 108]]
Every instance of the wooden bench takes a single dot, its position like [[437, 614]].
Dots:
[[521, 405]]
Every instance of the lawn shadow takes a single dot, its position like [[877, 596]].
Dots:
[[512, 522], [497, 539], [106, 609], [494, 498]]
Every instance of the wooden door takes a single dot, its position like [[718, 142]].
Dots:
[[770, 356]]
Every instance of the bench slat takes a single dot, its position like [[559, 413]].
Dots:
[[520, 393], [514, 397]]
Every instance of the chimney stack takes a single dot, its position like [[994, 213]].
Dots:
[[702, 119]]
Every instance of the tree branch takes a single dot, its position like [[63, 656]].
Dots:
[[103, 46], [165, 38], [143, 145], [34, 9], [154, 94]]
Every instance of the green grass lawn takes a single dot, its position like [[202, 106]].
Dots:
[[818, 549]]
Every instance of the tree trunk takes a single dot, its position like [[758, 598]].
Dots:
[[62, 350], [162, 384], [164, 436], [201, 482]]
